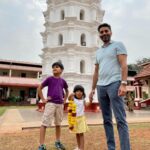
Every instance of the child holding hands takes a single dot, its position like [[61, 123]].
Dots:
[[76, 116]]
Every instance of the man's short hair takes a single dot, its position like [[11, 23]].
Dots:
[[104, 25], [58, 64]]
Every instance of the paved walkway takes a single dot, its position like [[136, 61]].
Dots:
[[18, 119]]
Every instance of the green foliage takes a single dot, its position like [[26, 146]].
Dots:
[[133, 67], [145, 95], [14, 99], [142, 61], [137, 66]]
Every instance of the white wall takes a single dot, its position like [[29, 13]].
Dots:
[[72, 11], [71, 57], [29, 74], [72, 36]]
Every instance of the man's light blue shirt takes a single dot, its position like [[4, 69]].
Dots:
[[109, 67]]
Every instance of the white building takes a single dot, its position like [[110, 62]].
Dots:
[[19, 81], [71, 37]]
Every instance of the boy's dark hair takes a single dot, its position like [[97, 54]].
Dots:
[[104, 25], [58, 64], [79, 88]]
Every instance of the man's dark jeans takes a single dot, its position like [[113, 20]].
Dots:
[[109, 100]]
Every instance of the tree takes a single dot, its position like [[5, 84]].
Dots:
[[142, 61], [133, 67], [137, 66]]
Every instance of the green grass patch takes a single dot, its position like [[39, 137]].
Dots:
[[4, 108]]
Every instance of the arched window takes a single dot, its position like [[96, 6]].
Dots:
[[60, 39], [83, 40], [82, 15], [62, 15], [82, 66]]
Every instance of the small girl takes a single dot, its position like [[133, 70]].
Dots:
[[76, 117]]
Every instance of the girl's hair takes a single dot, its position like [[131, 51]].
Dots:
[[79, 88]]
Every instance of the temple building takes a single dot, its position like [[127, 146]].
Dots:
[[71, 37]]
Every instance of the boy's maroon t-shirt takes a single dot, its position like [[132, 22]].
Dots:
[[56, 88]]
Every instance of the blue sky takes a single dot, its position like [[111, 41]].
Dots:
[[21, 22]]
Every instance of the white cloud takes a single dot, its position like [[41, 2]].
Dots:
[[130, 24], [14, 2], [21, 22], [30, 6], [40, 3], [20, 29], [31, 18]]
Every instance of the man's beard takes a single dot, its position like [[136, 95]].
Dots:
[[105, 38]]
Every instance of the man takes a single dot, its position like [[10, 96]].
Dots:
[[110, 77]]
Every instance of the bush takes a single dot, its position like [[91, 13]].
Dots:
[[145, 95], [14, 99]]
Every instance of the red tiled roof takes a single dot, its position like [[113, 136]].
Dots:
[[22, 82], [22, 62], [145, 72], [24, 68]]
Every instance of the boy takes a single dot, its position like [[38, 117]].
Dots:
[[56, 97]]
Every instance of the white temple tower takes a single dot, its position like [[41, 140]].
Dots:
[[71, 37]]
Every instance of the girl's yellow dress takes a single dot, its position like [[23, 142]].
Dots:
[[76, 118], [81, 125]]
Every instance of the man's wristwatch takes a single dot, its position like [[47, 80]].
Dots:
[[124, 82]]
